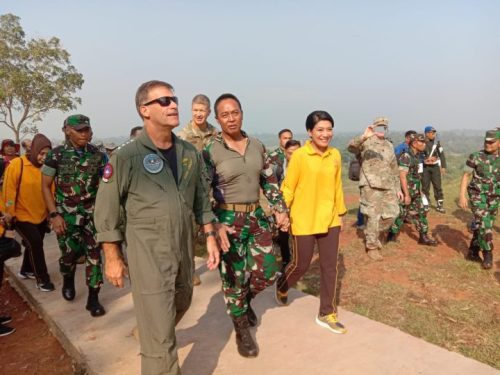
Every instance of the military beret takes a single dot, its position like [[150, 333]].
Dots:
[[417, 137], [492, 135], [77, 122], [381, 121]]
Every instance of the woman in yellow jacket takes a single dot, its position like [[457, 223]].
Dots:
[[22, 195], [313, 192]]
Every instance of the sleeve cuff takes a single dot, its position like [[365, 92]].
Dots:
[[110, 236]]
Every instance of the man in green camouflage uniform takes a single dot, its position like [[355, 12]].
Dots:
[[410, 173], [378, 183], [199, 133], [76, 168], [238, 167], [484, 193], [277, 158]]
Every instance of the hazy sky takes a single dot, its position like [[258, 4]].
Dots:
[[426, 62]]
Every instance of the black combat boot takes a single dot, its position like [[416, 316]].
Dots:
[[93, 304], [426, 240], [487, 260], [473, 254], [252, 318], [244, 340], [392, 237], [68, 289]]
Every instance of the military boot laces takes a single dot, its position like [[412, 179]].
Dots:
[[244, 340], [68, 289], [426, 240], [487, 260], [93, 304]]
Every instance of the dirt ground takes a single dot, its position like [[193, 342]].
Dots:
[[32, 349], [429, 292]]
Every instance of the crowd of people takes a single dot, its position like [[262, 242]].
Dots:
[[143, 204]]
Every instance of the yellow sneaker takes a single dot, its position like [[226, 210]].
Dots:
[[330, 322]]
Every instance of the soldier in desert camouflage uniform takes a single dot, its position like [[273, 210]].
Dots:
[[484, 193], [238, 167], [410, 173], [76, 168], [378, 182], [199, 133]]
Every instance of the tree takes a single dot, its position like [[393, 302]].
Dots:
[[36, 76]]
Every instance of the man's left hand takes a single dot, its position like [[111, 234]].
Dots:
[[443, 171], [282, 221], [213, 253]]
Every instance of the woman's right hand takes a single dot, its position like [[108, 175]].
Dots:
[[58, 225]]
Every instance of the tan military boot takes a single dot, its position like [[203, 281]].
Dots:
[[374, 254]]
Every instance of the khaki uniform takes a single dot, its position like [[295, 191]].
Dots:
[[197, 137], [379, 184], [159, 214]]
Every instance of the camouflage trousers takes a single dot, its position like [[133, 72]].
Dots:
[[484, 209], [79, 241], [415, 212], [380, 208], [250, 265]]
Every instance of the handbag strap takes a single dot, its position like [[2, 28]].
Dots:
[[20, 180]]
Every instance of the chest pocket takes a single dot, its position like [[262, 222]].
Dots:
[[67, 170]]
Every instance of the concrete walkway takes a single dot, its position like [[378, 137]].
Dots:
[[290, 341]]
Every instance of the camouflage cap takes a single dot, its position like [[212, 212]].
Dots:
[[381, 121], [492, 135], [77, 122], [417, 137]]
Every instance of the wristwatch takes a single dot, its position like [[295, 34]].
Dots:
[[53, 214], [210, 233]]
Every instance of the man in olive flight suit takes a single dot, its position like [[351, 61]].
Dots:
[[158, 180]]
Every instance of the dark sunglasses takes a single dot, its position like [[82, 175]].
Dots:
[[164, 101]]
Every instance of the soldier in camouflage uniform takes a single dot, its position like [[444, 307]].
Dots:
[[199, 133], [410, 174], [484, 193], [378, 183], [238, 167], [76, 168], [277, 158]]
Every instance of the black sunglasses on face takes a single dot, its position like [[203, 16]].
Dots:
[[164, 101]]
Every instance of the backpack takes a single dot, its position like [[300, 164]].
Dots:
[[354, 170]]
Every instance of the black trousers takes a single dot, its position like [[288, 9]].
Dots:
[[432, 173], [34, 256], [284, 245]]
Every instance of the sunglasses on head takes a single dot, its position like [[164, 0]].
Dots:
[[164, 101]]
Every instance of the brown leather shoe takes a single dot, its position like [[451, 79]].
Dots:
[[196, 280]]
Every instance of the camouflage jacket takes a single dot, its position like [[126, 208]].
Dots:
[[277, 158], [409, 162], [238, 178], [76, 174], [485, 170], [198, 138], [379, 166]]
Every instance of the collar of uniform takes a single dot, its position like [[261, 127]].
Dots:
[[219, 138], [144, 139], [210, 130], [311, 151]]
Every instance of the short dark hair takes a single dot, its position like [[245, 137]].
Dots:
[[134, 130], [224, 97], [410, 132], [317, 116], [143, 91], [292, 143], [284, 131]]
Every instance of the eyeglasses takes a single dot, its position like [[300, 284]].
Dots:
[[164, 101]]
